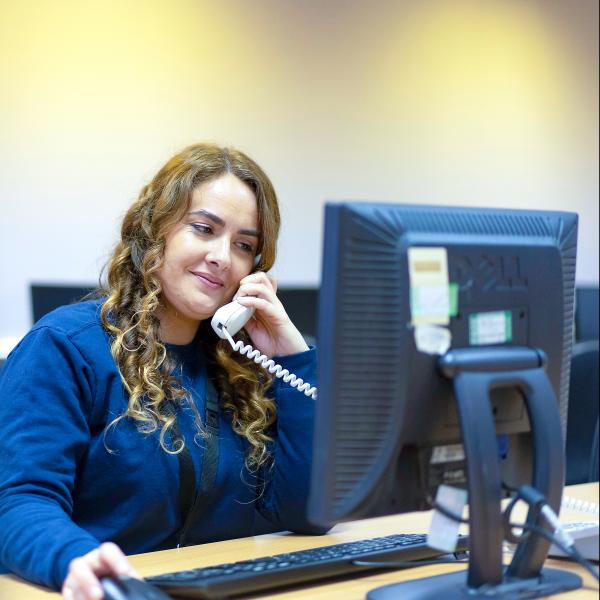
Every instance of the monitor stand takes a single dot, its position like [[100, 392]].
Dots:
[[475, 372]]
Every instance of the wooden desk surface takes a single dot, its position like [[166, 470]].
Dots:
[[154, 563]]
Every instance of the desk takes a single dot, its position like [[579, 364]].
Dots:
[[154, 563]]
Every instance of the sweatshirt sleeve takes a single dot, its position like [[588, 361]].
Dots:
[[287, 481], [46, 395]]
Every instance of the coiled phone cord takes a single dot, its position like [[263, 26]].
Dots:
[[271, 366]]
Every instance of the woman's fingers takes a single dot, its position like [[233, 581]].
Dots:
[[260, 277], [258, 290], [115, 561], [271, 330], [257, 303], [81, 582], [83, 578]]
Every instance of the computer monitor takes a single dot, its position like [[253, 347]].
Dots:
[[445, 336], [300, 303], [45, 297]]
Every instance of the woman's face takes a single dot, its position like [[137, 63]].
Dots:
[[206, 255]]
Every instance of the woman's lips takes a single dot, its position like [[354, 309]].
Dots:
[[209, 280]]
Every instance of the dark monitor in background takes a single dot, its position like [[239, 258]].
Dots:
[[586, 313], [301, 305], [300, 302], [445, 338], [45, 297]]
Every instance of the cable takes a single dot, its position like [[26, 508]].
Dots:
[[408, 563], [448, 513], [532, 497], [271, 366], [571, 551]]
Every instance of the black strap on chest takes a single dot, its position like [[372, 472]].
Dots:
[[192, 504]]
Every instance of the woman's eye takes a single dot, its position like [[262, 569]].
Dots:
[[202, 228], [246, 247]]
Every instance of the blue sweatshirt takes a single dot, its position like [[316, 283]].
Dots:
[[62, 493]]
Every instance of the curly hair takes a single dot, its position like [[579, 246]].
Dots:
[[133, 292]]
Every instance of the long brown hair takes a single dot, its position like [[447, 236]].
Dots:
[[133, 293]]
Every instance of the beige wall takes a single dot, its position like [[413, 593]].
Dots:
[[490, 102]]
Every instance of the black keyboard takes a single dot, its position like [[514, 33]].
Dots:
[[249, 576]]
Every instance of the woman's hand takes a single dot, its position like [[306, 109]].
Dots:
[[270, 328], [82, 582]]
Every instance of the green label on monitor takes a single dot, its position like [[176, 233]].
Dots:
[[453, 299], [490, 328]]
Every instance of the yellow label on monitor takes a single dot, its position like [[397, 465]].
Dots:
[[429, 291]]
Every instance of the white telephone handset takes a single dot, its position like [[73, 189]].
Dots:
[[231, 318], [228, 320]]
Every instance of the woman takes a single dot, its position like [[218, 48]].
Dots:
[[106, 433]]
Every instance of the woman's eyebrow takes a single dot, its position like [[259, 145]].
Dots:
[[205, 213]]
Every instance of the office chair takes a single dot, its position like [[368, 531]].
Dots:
[[582, 419]]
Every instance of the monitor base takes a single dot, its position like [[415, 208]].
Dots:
[[452, 586]]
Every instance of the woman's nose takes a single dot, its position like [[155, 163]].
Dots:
[[220, 253]]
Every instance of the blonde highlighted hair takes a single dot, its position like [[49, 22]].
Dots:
[[133, 293]]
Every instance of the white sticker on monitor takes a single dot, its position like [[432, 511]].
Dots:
[[490, 328], [432, 339], [443, 531], [429, 291]]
